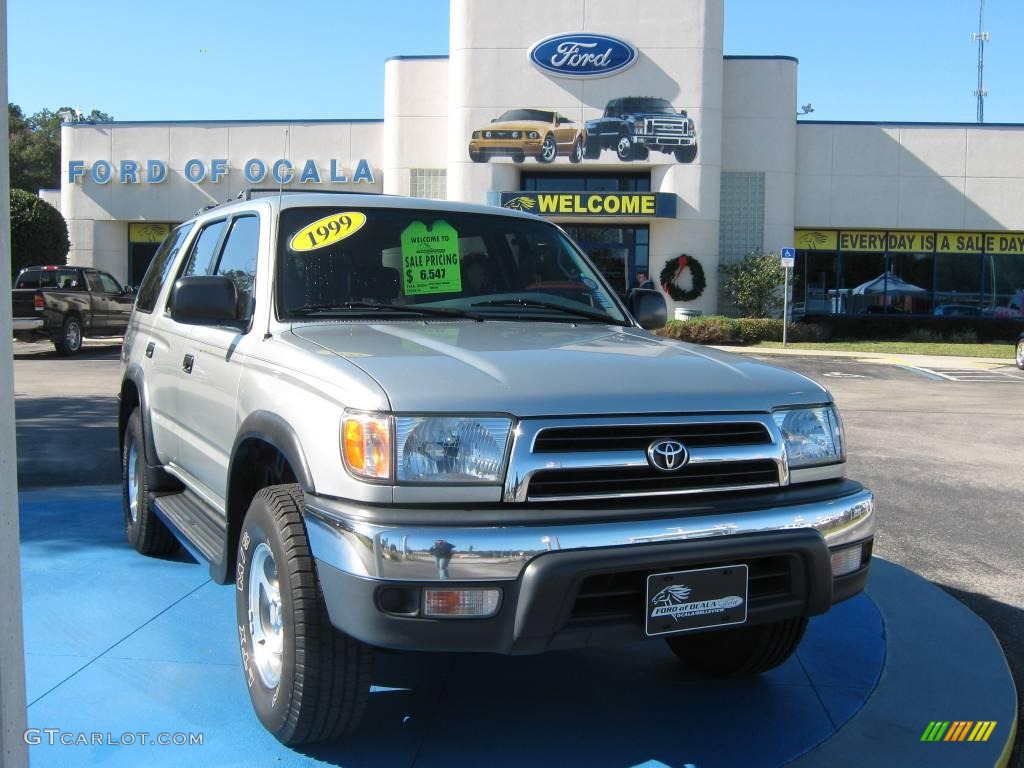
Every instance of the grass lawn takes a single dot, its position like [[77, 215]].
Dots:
[[1004, 351]]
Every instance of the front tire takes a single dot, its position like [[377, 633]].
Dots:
[[143, 529], [592, 148], [576, 156], [548, 150], [739, 652], [70, 340], [1020, 354], [624, 148], [307, 681], [686, 154]]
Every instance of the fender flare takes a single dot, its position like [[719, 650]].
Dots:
[[274, 430], [136, 376]]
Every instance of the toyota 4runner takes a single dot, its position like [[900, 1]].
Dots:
[[418, 425]]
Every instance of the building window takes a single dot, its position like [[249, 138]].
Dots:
[[431, 183], [741, 216], [586, 182]]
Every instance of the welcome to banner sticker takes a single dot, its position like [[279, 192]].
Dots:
[[430, 259]]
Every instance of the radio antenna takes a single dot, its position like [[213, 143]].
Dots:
[[981, 37]]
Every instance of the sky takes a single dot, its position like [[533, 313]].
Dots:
[[898, 60]]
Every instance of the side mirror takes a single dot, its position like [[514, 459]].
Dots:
[[648, 307], [205, 300]]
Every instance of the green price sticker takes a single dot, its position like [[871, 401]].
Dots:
[[430, 259]]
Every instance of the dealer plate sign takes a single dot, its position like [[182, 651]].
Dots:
[[680, 601]]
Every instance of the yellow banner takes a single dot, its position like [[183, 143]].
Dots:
[[1004, 242], [147, 233], [903, 241], [959, 242], [816, 239], [864, 240]]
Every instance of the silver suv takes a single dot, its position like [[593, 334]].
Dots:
[[419, 425]]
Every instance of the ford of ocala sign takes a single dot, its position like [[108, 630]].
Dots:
[[582, 54]]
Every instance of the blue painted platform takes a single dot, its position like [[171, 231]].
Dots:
[[117, 643]]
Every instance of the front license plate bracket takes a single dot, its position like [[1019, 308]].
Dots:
[[700, 598]]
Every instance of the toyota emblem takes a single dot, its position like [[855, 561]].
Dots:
[[667, 455]]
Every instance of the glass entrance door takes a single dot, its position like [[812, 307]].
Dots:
[[621, 253]]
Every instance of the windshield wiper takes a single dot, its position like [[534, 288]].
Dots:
[[584, 313], [311, 309]]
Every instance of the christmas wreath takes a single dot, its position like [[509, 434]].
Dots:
[[673, 269]]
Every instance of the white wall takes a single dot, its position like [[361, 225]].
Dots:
[[910, 176], [97, 214], [415, 119], [759, 135]]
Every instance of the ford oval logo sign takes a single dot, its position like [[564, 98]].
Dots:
[[582, 54]]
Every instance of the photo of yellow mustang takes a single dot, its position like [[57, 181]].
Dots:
[[522, 133]]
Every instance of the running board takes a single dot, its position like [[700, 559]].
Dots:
[[197, 525]]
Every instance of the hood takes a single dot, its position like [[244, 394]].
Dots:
[[551, 369], [517, 125]]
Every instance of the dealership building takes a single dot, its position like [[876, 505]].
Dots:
[[634, 133]]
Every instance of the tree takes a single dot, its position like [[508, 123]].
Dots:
[[39, 234], [754, 284], [35, 146]]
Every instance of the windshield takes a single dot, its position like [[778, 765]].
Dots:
[[526, 114], [657, 106], [387, 262]]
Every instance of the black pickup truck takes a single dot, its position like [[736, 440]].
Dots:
[[635, 125], [66, 304]]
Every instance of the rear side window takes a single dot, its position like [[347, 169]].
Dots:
[[160, 268], [28, 279], [238, 260], [204, 250]]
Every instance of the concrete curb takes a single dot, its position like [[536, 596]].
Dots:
[[940, 361], [942, 663]]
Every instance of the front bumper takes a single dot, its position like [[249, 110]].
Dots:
[[505, 148], [542, 569], [653, 140]]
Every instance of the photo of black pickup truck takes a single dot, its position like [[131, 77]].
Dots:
[[635, 125], [66, 304]]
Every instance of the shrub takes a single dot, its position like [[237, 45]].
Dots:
[[39, 234], [744, 330], [923, 336], [754, 284]]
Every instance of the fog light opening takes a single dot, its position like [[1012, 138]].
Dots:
[[846, 560], [445, 603]]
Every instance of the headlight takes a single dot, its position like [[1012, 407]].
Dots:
[[366, 445], [451, 449], [476, 134], [515, 134], [533, 135], [812, 436]]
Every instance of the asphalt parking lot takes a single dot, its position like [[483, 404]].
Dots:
[[940, 454]]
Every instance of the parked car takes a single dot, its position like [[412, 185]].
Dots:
[[1019, 353], [66, 304], [376, 454], [521, 133], [635, 125], [956, 310]]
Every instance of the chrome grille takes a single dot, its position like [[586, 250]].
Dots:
[[638, 436], [583, 459], [666, 126]]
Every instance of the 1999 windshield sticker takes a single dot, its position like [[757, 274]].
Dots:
[[327, 231], [430, 259]]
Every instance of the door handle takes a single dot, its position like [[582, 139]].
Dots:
[[149, 348], [186, 364]]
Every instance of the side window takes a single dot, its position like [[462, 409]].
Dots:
[[69, 280], [238, 260], [204, 250], [108, 284], [160, 268], [28, 279]]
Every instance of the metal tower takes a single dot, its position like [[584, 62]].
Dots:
[[981, 37]]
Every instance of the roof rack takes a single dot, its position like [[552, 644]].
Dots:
[[249, 193]]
